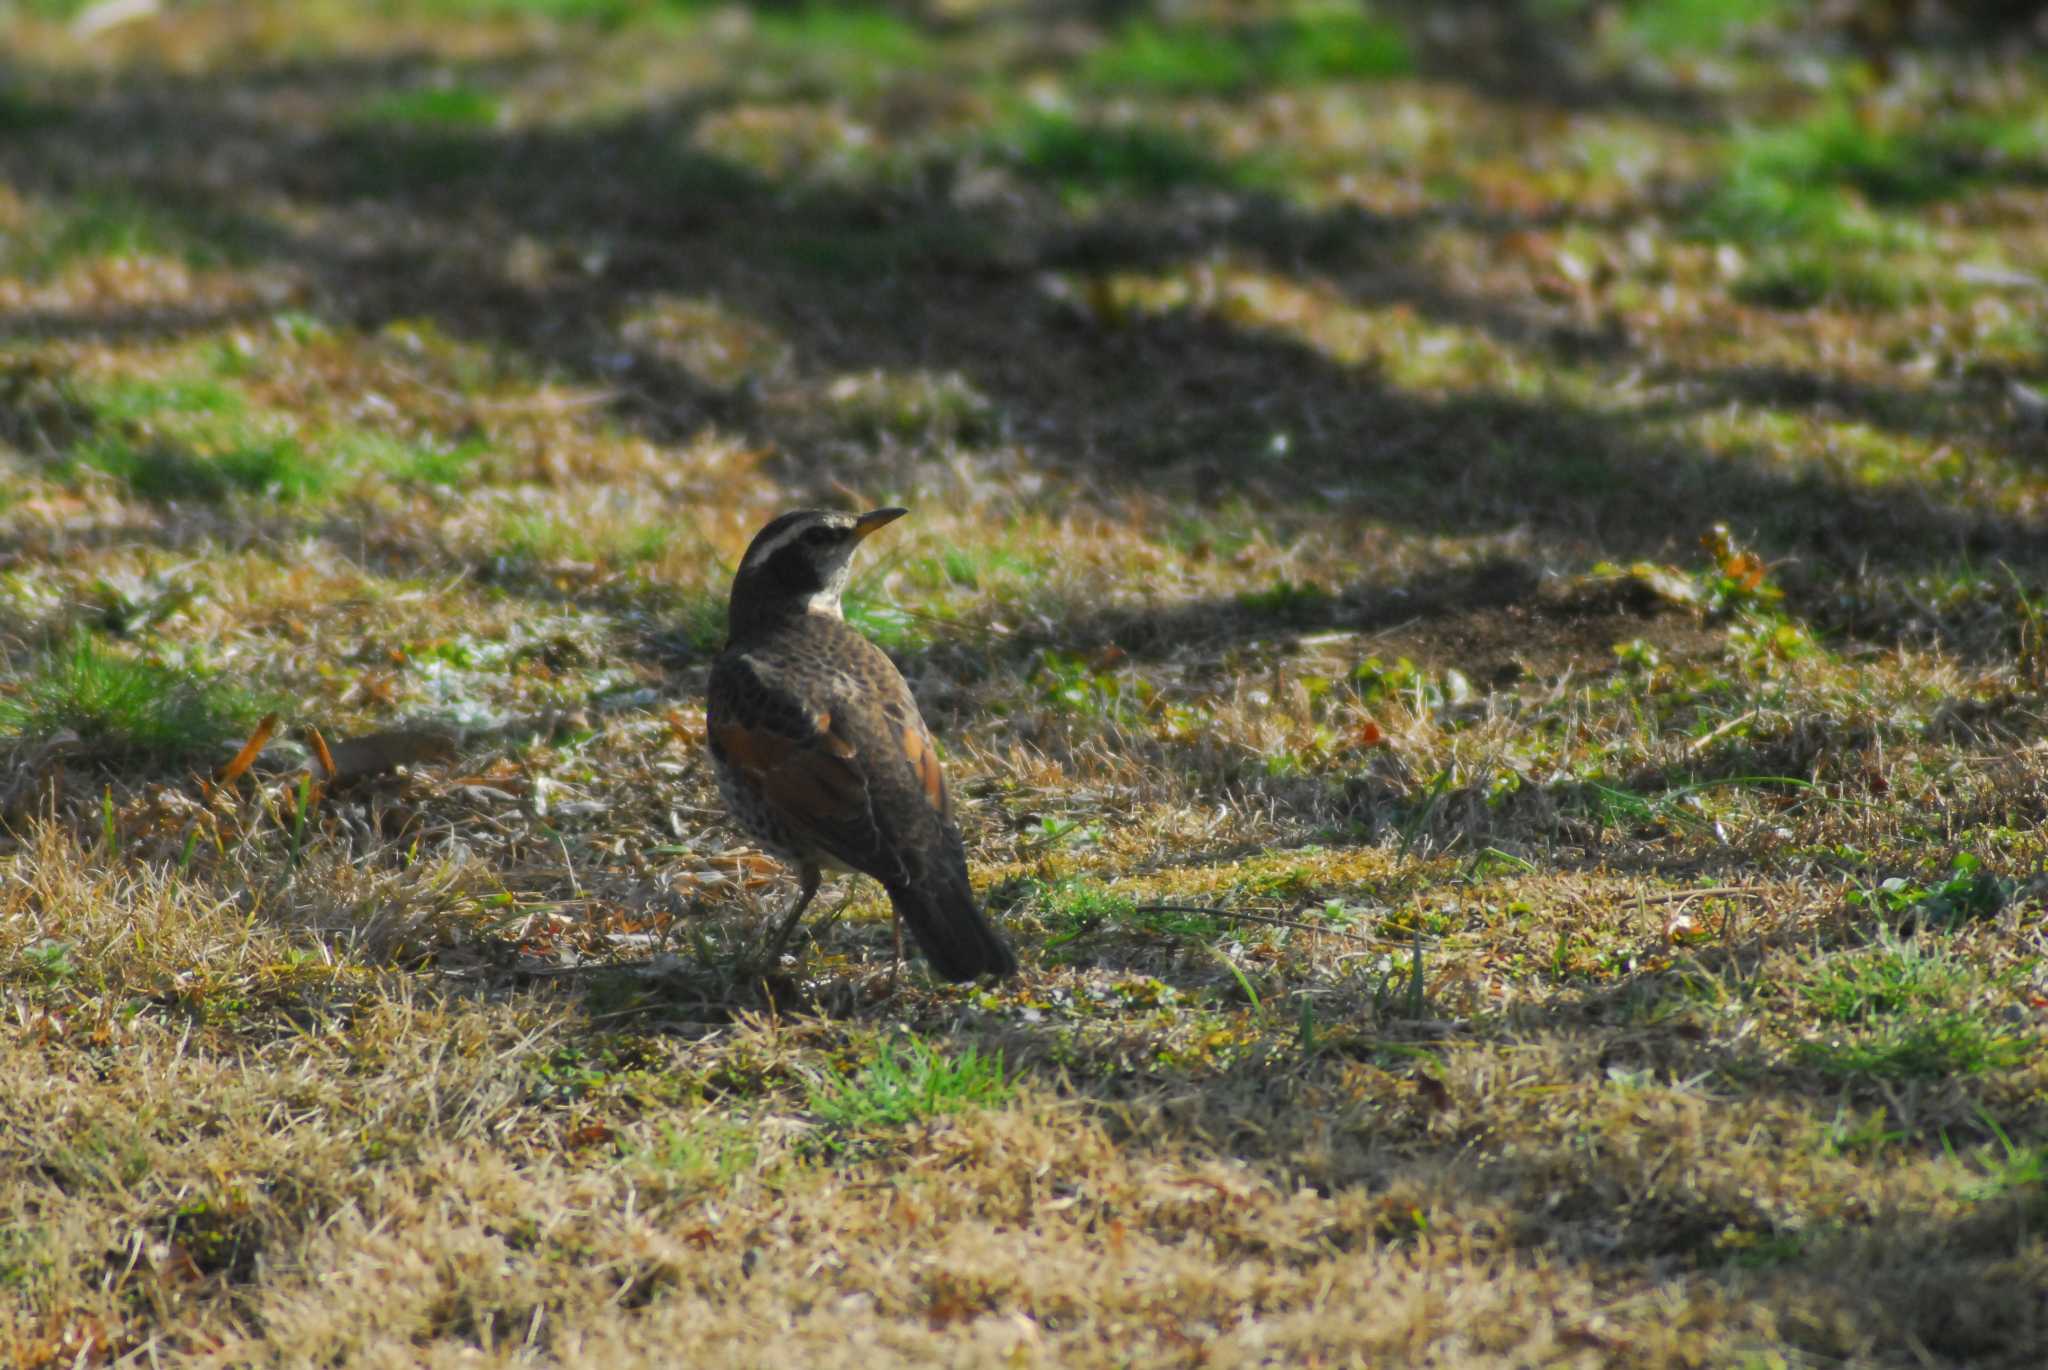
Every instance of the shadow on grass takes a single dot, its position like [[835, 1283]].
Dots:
[[1590, 1133], [900, 278], [897, 277]]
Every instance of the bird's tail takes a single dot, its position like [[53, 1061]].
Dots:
[[954, 934]]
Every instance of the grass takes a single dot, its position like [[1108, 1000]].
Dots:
[[122, 708], [100, 225], [1804, 279], [438, 107], [193, 439], [868, 35], [908, 1083], [1085, 158], [1477, 579], [1822, 200], [1941, 1047], [1891, 980], [55, 9], [1922, 1013], [198, 437], [1691, 26], [1320, 43], [918, 407], [541, 538]]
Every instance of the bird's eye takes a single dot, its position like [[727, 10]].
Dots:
[[818, 536]]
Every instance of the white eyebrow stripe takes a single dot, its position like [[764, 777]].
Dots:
[[768, 549]]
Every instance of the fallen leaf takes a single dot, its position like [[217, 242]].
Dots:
[[243, 759], [320, 752]]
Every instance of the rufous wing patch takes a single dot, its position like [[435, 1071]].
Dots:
[[750, 749], [812, 782], [924, 760], [834, 741], [817, 790]]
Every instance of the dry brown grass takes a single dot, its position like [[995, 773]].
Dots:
[[1474, 912]]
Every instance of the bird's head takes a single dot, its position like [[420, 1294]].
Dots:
[[800, 563]]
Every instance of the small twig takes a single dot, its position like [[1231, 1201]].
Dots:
[[1232, 915], [1701, 744]]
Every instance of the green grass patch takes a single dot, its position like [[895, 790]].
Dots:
[[712, 1153], [1075, 686], [874, 33], [1969, 892], [2014, 1169], [1086, 158], [2006, 140], [1672, 27], [889, 625], [1892, 978], [161, 470], [200, 438], [1846, 146], [1325, 43], [432, 107], [1285, 601], [194, 439], [1075, 906], [113, 225], [980, 567], [1180, 922], [50, 962], [410, 461], [539, 538], [130, 401], [848, 46], [1928, 1048], [1816, 201], [908, 1081], [58, 11], [123, 707], [1805, 278], [698, 618], [1823, 197], [1756, 207], [609, 1065]]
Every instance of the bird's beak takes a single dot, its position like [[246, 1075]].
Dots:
[[868, 523]]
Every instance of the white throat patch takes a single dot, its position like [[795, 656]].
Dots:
[[826, 600]]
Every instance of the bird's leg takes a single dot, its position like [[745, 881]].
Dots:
[[796, 911], [896, 928]]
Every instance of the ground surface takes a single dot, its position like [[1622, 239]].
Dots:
[[1480, 574]]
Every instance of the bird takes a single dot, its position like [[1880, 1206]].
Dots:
[[820, 753]]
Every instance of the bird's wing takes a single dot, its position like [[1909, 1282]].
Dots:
[[797, 748], [908, 734]]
